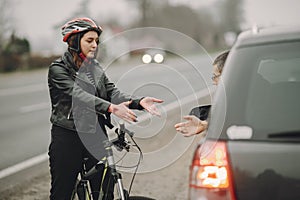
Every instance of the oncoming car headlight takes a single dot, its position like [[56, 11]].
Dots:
[[146, 58], [153, 56], [158, 58]]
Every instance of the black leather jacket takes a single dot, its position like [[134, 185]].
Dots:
[[78, 103]]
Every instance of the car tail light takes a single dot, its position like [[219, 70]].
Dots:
[[210, 173]]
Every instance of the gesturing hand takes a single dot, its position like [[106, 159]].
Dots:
[[148, 103], [192, 126], [122, 111]]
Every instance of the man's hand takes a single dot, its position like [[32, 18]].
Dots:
[[148, 103], [192, 126]]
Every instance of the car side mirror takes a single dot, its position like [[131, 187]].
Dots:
[[201, 112]]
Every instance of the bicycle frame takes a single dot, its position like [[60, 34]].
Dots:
[[120, 143]]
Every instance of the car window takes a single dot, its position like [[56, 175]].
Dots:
[[274, 94], [280, 70], [262, 86]]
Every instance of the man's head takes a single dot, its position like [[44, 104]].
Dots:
[[218, 65]]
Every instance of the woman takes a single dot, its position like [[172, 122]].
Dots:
[[82, 98]]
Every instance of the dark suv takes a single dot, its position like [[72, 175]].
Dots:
[[252, 147]]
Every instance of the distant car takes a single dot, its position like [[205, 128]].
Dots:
[[252, 147], [153, 56]]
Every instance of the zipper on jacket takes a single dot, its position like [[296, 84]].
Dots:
[[69, 114]]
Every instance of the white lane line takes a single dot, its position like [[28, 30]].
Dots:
[[23, 89], [189, 99], [43, 157], [23, 165], [35, 107]]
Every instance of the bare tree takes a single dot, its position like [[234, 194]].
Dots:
[[146, 8], [83, 9], [232, 15], [6, 25]]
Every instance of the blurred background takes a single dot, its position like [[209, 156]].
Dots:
[[190, 32], [30, 29]]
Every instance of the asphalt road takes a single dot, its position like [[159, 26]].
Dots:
[[25, 109]]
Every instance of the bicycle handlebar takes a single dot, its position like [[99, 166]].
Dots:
[[120, 142], [124, 130]]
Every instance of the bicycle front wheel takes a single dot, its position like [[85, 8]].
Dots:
[[140, 198]]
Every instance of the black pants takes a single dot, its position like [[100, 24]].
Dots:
[[66, 153]]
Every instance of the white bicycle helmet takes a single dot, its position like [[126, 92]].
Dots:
[[79, 25]]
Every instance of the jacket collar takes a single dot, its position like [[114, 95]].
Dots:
[[68, 60]]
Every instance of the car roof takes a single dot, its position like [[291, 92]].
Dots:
[[258, 36]]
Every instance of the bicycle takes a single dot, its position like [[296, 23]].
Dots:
[[82, 190]]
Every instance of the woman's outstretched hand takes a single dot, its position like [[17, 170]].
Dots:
[[122, 111], [148, 103]]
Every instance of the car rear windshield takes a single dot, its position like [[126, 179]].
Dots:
[[262, 100]]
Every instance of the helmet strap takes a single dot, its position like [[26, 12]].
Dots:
[[75, 44]]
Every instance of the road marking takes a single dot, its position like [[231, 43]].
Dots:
[[23, 89], [43, 157], [35, 107], [23, 165]]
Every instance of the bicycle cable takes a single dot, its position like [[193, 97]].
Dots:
[[129, 167], [137, 166]]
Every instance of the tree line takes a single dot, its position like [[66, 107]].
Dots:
[[207, 25]]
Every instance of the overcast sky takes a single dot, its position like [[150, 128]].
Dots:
[[35, 18]]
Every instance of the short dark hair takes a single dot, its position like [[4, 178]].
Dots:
[[220, 60]]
